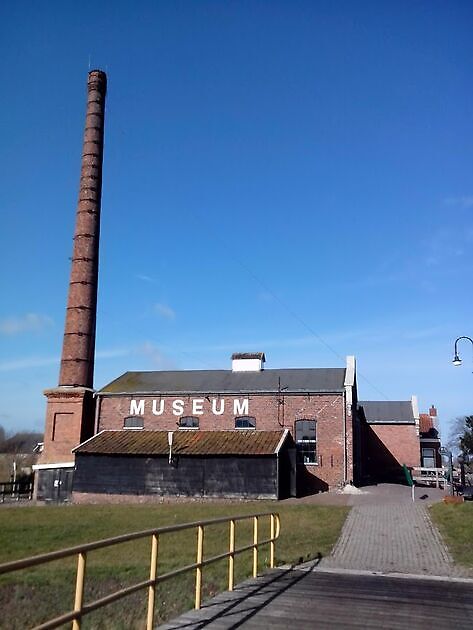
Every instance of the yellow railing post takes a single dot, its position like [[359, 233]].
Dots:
[[198, 572], [79, 598], [231, 557], [81, 609], [153, 569], [271, 544], [255, 546]]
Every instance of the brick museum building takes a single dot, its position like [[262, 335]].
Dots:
[[245, 431]]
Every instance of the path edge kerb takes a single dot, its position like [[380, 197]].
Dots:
[[408, 576]]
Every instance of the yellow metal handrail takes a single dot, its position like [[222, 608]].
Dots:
[[81, 609]]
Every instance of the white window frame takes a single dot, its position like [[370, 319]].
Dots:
[[195, 419], [303, 451], [250, 419], [138, 419]]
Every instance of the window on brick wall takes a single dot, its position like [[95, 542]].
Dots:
[[428, 458], [188, 422], [306, 441], [245, 422], [133, 422]]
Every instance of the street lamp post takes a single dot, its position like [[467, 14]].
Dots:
[[456, 358], [447, 456]]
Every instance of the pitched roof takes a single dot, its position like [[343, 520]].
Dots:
[[139, 442], [425, 423], [248, 355], [388, 412], [228, 382]]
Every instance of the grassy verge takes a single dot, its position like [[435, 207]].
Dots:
[[29, 597], [455, 525]]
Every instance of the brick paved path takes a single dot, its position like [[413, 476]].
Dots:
[[391, 538]]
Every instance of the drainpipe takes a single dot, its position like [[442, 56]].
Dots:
[[97, 413], [345, 471]]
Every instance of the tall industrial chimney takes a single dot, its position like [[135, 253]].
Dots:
[[77, 362], [71, 405]]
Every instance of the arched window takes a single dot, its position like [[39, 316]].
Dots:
[[306, 441], [188, 422], [245, 422], [133, 422]]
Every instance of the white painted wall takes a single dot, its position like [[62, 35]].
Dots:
[[247, 365]]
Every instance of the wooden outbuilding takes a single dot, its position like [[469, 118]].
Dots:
[[231, 464]]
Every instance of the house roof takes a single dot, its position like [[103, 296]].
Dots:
[[139, 442], [425, 423], [248, 355], [228, 382], [388, 412]]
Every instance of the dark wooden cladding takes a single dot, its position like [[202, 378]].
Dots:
[[54, 485], [242, 477]]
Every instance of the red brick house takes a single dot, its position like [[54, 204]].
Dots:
[[390, 438], [288, 430], [314, 406], [429, 439]]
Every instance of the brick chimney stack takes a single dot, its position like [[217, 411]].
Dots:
[[70, 408], [77, 362]]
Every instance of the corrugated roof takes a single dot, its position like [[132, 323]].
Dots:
[[138, 442], [388, 412], [228, 382]]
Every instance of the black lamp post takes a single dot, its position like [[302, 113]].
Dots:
[[456, 358], [461, 462]]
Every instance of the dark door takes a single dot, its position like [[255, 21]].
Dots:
[[55, 485]]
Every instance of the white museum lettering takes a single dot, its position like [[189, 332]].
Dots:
[[137, 408], [194, 406]]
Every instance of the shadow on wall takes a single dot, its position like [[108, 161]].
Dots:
[[308, 484], [381, 466]]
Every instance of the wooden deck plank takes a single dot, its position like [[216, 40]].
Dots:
[[314, 599]]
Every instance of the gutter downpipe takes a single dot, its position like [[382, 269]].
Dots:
[[349, 383], [97, 413], [345, 472]]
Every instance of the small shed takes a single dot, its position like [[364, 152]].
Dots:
[[220, 464]]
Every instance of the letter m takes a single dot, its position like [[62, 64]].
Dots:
[[240, 408], [137, 408]]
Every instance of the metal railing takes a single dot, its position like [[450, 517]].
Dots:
[[429, 475], [81, 609]]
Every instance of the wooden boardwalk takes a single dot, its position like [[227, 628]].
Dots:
[[293, 598]]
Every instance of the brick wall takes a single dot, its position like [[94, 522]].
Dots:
[[69, 421], [388, 446], [271, 412]]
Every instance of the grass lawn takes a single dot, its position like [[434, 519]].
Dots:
[[455, 523], [29, 597]]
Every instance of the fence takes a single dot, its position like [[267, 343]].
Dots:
[[81, 608], [16, 490], [429, 475]]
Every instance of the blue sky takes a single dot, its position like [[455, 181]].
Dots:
[[287, 177]]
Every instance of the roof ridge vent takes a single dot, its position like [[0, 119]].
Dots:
[[248, 361]]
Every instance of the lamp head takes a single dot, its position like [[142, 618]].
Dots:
[[456, 360]]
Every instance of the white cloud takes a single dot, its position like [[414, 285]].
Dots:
[[266, 296], [31, 322], [165, 311], [465, 201], [145, 278], [158, 358], [27, 363], [112, 353]]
